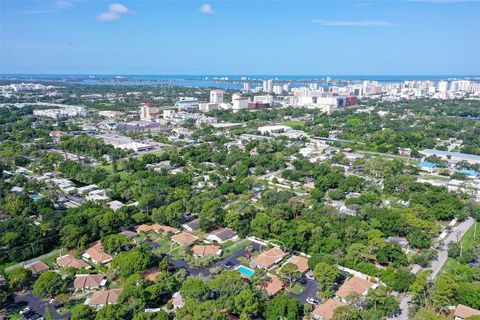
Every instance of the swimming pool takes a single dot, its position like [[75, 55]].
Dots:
[[246, 271], [35, 197]]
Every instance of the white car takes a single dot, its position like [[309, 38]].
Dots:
[[25, 310], [310, 276], [313, 301]]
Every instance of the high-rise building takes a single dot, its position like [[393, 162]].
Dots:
[[267, 85], [286, 87], [216, 96], [246, 86], [149, 112], [277, 89]]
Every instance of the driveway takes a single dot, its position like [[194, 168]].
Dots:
[[38, 304]]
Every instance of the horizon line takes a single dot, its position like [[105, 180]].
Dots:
[[226, 74]]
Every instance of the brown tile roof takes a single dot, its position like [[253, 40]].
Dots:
[[326, 309], [268, 258], [273, 285], [68, 261], [37, 267], [300, 262], [184, 239], [205, 250], [156, 227], [151, 274], [83, 281], [354, 284], [104, 297], [464, 312], [97, 254]]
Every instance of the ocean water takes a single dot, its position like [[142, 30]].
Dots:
[[219, 81]]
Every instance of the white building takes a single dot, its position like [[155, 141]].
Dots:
[[239, 102], [273, 129], [216, 96], [263, 99], [207, 107], [277, 89], [62, 112], [267, 85], [149, 112]]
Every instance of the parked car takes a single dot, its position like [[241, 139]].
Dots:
[[229, 265], [25, 310], [313, 301], [302, 280], [310, 276]]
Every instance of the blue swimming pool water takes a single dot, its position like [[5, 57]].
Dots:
[[246, 271], [35, 197]]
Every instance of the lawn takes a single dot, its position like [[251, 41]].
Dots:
[[298, 124], [468, 239], [234, 248], [297, 288], [166, 246], [51, 260], [7, 264]]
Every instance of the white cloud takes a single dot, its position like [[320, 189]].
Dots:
[[358, 23], [108, 16], [115, 11], [207, 9], [118, 8]]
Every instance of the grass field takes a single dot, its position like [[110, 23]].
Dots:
[[298, 124], [166, 246], [468, 238], [297, 288], [234, 248]]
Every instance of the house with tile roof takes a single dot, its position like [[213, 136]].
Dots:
[[184, 239], [462, 312], [96, 254], [102, 298], [325, 310], [206, 250], [268, 259], [89, 281], [69, 261], [37, 267], [355, 285]]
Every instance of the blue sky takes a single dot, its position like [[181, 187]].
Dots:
[[394, 37]]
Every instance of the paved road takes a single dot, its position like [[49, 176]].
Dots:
[[38, 304], [457, 233]]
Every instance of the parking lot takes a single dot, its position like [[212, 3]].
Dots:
[[38, 304]]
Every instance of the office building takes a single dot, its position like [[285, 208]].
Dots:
[[216, 96]]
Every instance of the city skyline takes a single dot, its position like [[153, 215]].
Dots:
[[429, 37]]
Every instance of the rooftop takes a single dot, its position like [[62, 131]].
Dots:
[[325, 310], [354, 284]]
